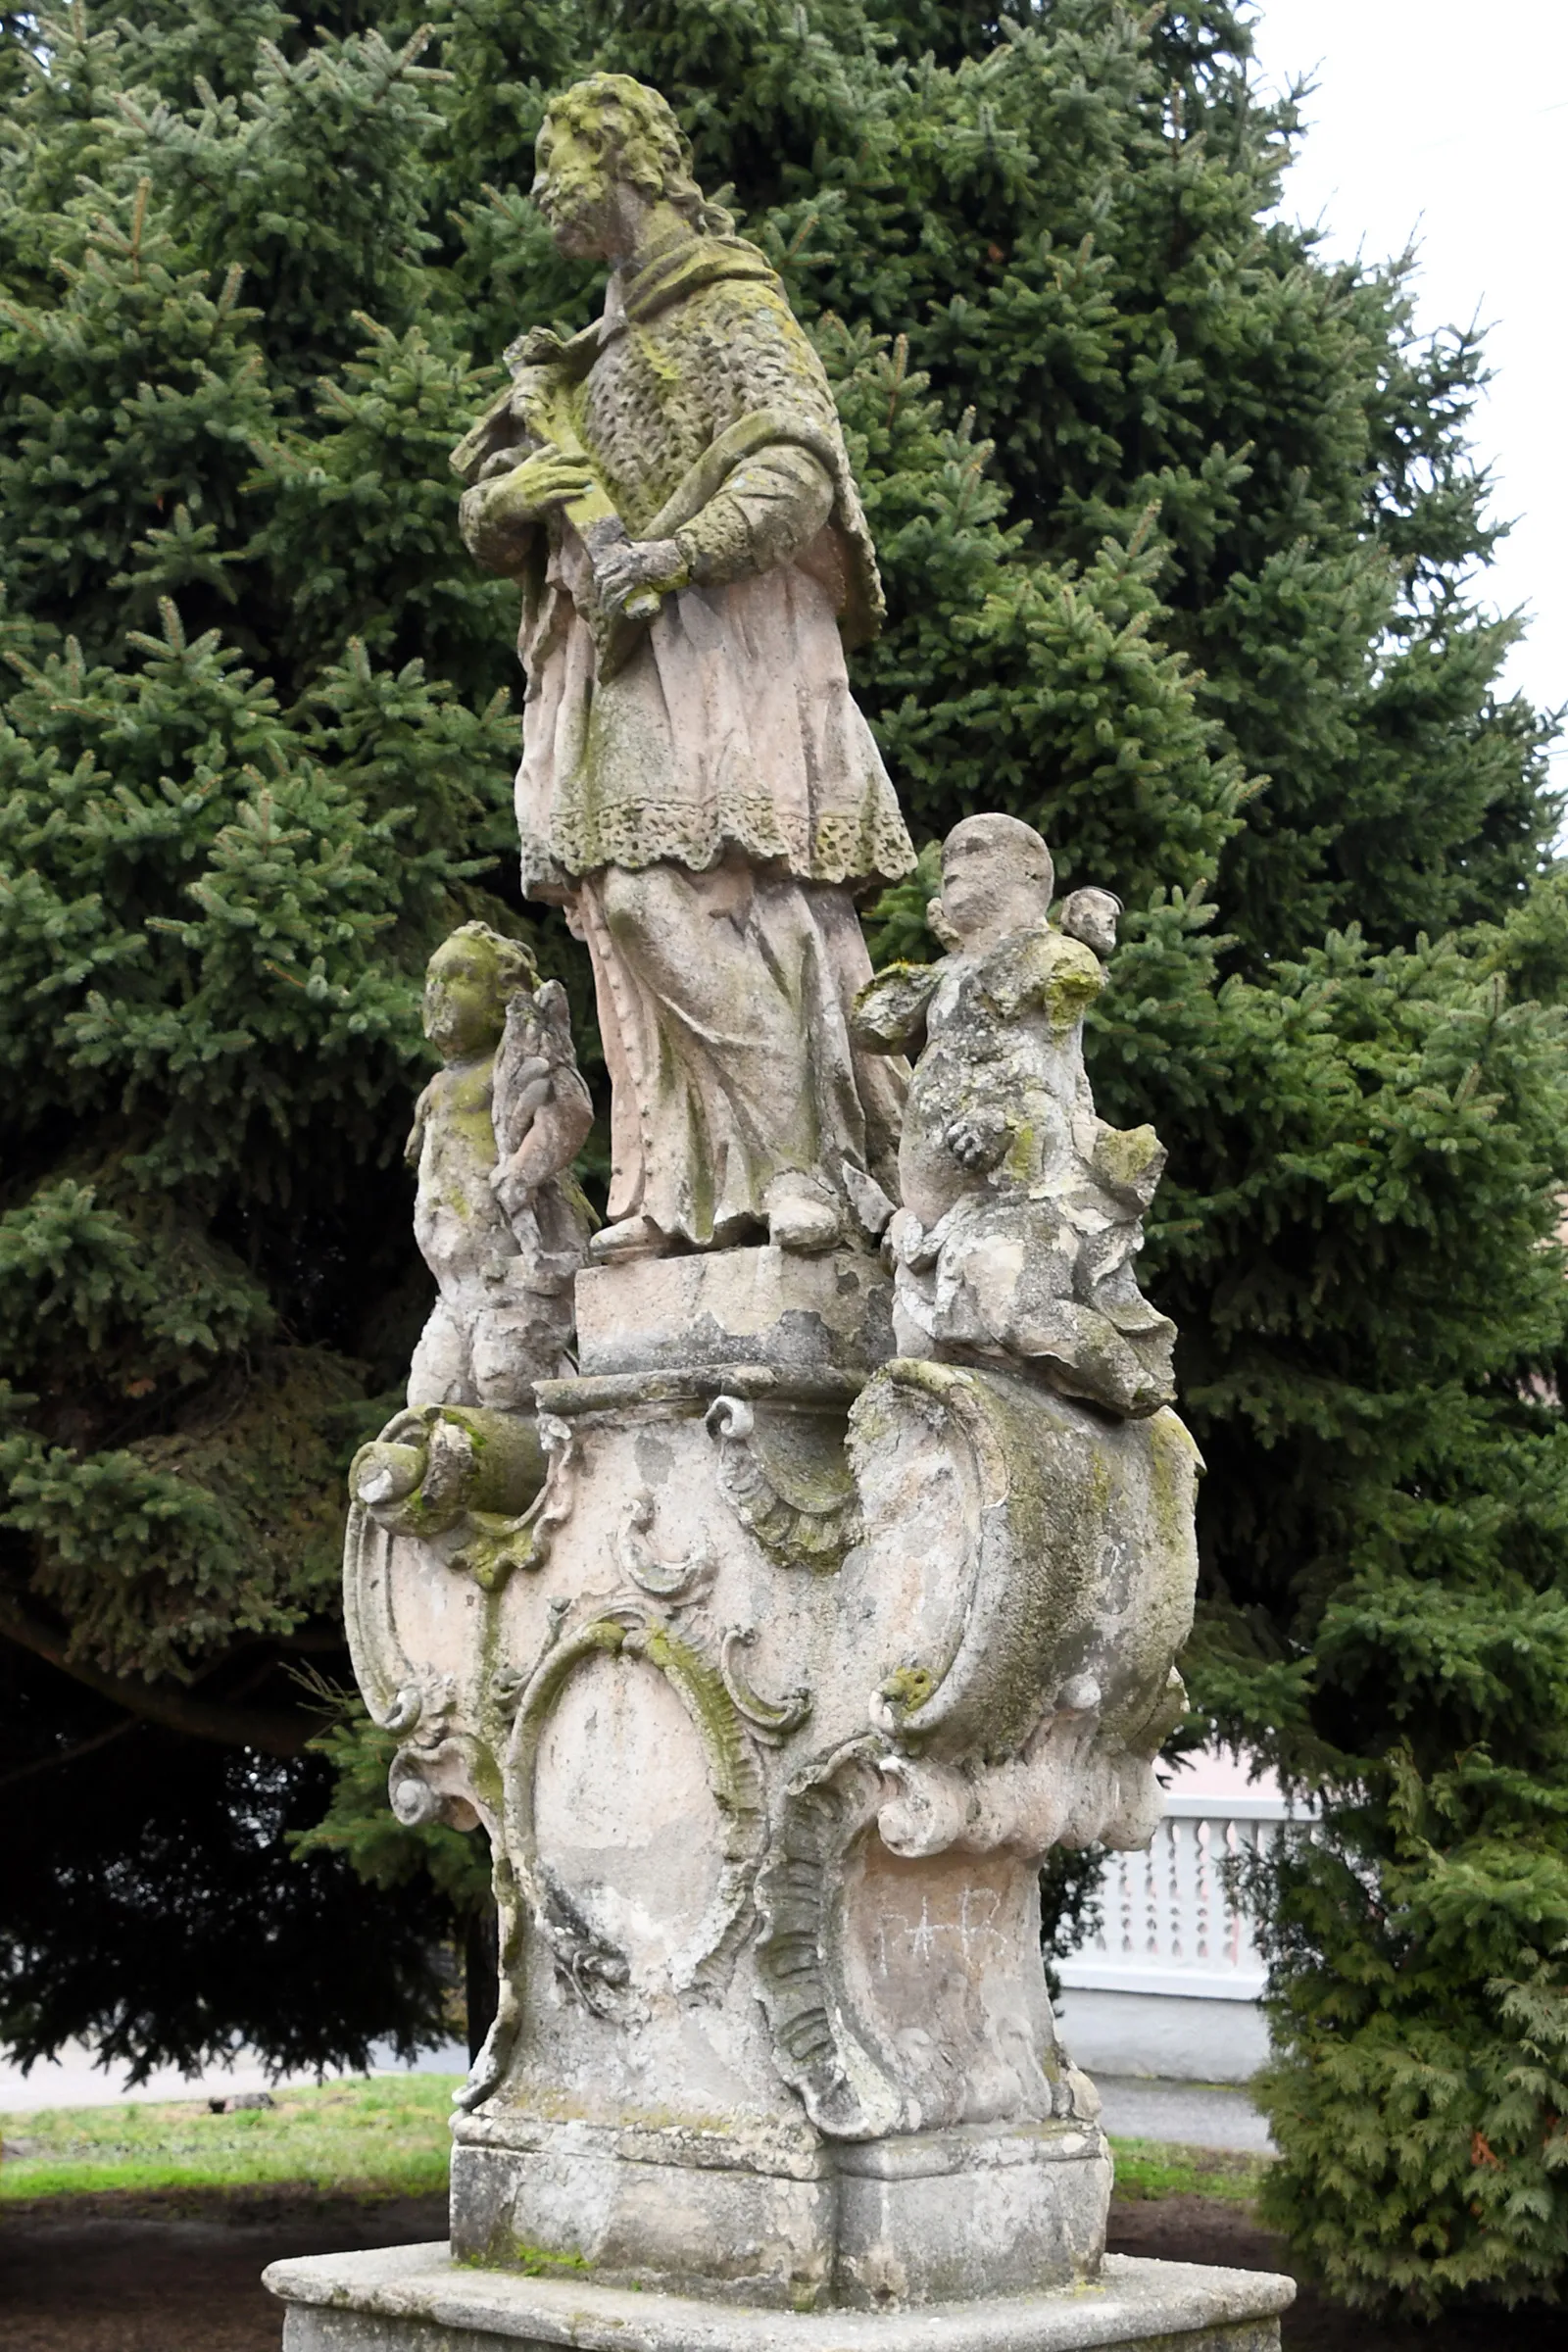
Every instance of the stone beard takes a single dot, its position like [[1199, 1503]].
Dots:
[[705, 797]]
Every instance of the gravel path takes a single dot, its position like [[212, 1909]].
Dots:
[[75, 2080]]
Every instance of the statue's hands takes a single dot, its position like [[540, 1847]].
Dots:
[[977, 1138], [548, 478], [514, 1181], [495, 516], [629, 568]]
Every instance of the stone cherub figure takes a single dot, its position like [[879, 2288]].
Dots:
[[499, 1221], [672, 491], [1022, 1211]]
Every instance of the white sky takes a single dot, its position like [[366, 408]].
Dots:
[[1448, 122]]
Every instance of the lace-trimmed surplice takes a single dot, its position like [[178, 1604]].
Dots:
[[726, 744]]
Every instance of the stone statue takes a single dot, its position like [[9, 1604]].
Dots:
[[698, 787], [499, 1221], [774, 1613], [1022, 1211]]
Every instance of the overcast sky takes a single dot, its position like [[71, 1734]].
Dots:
[[1448, 122]]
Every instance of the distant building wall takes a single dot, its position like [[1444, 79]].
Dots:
[[1175, 2037], [1171, 1984]]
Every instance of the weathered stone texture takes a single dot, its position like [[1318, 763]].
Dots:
[[827, 1313], [498, 1220], [771, 1705], [777, 1621], [416, 2299], [1021, 1211]]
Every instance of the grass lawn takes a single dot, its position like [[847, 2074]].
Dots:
[[1147, 2168], [384, 2137]]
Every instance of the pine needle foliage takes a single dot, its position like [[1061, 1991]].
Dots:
[[1185, 553]]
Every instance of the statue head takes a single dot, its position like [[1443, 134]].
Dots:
[[1092, 915], [608, 149], [996, 877], [468, 983]]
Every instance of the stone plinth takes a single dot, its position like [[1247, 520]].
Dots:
[[832, 1313], [416, 2299], [771, 1698], [917, 2219]]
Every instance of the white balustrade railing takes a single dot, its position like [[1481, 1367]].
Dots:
[[1169, 1923]]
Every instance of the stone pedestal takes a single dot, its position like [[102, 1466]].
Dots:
[[416, 2299], [917, 2219], [773, 1664]]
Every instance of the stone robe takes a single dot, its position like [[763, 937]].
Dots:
[[704, 795]]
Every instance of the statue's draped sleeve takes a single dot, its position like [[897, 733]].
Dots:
[[770, 509]]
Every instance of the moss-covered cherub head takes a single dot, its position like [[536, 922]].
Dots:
[[996, 878], [468, 983]]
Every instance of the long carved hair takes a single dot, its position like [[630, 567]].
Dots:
[[636, 131]]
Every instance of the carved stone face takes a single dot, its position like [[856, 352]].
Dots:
[[1092, 915], [575, 188], [988, 885], [462, 1010]]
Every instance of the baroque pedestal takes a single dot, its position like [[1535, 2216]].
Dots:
[[773, 1664]]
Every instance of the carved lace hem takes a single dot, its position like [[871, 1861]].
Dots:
[[841, 851]]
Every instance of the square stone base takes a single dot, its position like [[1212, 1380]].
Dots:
[[930, 2217], [416, 2299]]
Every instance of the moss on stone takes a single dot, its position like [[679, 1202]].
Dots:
[[1123, 1154], [908, 1688]]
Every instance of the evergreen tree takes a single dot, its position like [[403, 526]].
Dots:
[[224, 860], [1179, 535]]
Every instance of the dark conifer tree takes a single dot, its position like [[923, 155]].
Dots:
[[1181, 539]]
